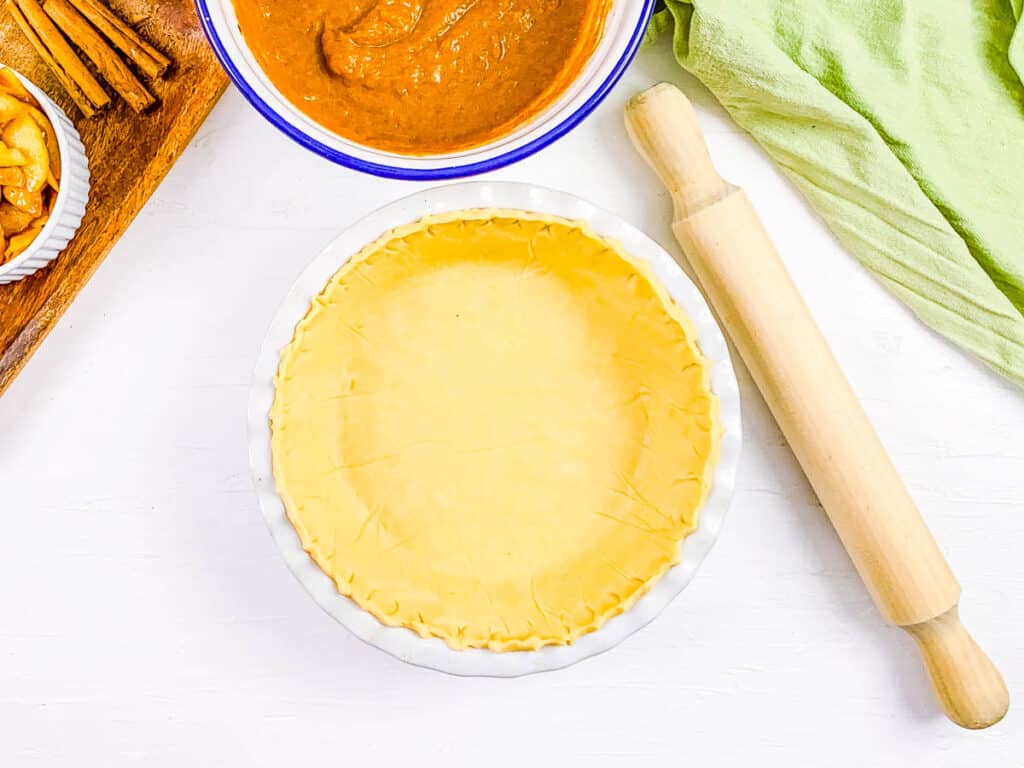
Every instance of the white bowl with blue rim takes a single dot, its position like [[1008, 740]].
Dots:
[[623, 33]]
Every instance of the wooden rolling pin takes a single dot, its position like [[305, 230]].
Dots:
[[790, 361]]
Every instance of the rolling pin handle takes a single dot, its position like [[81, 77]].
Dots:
[[672, 143], [966, 682]]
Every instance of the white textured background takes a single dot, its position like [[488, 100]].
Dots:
[[146, 618]]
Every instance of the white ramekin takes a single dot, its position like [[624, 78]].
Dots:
[[433, 652], [71, 199], [623, 33]]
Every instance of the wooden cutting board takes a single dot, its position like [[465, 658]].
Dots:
[[128, 154]]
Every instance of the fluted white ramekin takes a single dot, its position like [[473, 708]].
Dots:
[[71, 199], [433, 652]]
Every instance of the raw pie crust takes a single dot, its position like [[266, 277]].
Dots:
[[495, 428]]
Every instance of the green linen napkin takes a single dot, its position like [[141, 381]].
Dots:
[[902, 122]]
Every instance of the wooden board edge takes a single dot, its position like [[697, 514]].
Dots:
[[24, 345]]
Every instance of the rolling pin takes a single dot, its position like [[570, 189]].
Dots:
[[809, 396]]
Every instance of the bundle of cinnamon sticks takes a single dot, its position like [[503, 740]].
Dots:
[[61, 30]]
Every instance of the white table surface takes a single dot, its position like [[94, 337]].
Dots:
[[146, 617]]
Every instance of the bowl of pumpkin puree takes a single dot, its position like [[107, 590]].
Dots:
[[425, 89], [493, 429]]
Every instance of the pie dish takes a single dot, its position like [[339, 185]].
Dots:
[[493, 428]]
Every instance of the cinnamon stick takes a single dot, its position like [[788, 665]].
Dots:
[[77, 95], [76, 78], [105, 58], [148, 59]]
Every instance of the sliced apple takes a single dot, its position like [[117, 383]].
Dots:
[[10, 83], [20, 242], [10, 107], [12, 220], [54, 152], [11, 156], [30, 106], [28, 202], [23, 133], [12, 177]]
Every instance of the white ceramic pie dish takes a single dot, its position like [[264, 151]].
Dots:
[[71, 199], [434, 653]]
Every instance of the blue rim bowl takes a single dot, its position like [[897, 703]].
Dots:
[[554, 123]]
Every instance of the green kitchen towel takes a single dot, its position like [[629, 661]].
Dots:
[[902, 122]]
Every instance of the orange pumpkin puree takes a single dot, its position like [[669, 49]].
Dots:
[[422, 76]]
